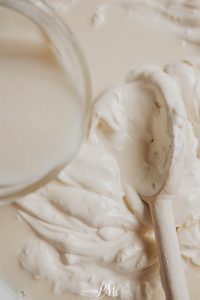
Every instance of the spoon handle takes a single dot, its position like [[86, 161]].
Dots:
[[171, 266]]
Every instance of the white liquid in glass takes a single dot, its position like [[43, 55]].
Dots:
[[40, 115]]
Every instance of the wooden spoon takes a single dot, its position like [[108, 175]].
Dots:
[[164, 166]]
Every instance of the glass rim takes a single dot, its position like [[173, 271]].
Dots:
[[59, 34]]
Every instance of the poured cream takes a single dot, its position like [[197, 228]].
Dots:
[[40, 115]]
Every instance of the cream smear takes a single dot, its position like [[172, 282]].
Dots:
[[92, 231], [183, 16], [91, 225]]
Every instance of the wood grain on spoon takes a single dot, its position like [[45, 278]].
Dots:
[[162, 175]]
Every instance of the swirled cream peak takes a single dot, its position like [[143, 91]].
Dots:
[[181, 15], [90, 224], [186, 76]]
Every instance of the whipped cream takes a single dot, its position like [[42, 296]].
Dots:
[[183, 16], [91, 225]]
